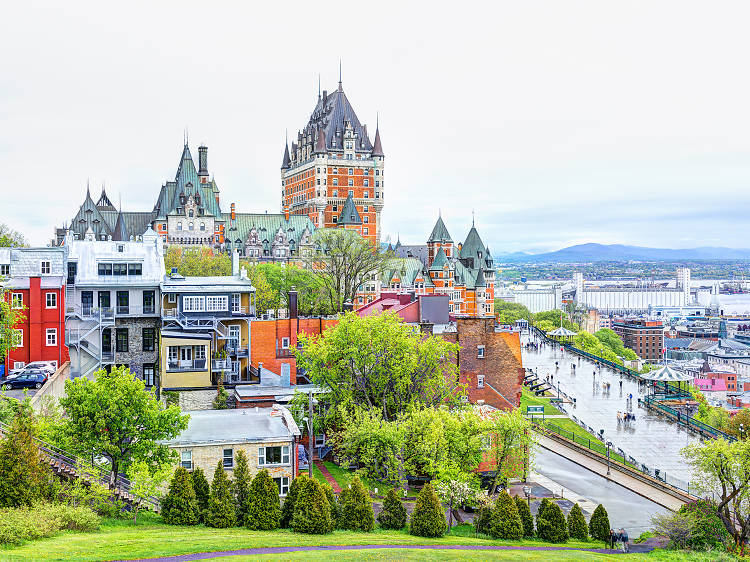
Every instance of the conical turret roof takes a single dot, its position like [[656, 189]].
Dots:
[[439, 232], [439, 262], [287, 161], [349, 214], [120, 232], [377, 147]]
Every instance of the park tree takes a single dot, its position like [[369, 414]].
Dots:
[[509, 312], [146, 482], [740, 420], [179, 506], [599, 524], [10, 238], [456, 488], [241, 486], [507, 524], [356, 507], [202, 490], [344, 260], [511, 445], [221, 511], [577, 528], [263, 510], [393, 514], [526, 519], [312, 514], [551, 526], [115, 417], [279, 280], [428, 517], [201, 261], [381, 363], [611, 340], [723, 468], [550, 319], [23, 475], [11, 315]]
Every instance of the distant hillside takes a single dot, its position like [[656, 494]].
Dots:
[[619, 252]]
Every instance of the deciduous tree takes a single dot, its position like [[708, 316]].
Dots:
[[197, 261], [146, 482], [22, 472], [10, 238], [512, 441]]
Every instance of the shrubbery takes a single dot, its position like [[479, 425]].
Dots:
[[526, 519], [507, 523], [221, 511], [22, 475], [287, 510], [577, 524], [312, 514], [551, 526], [708, 530], [263, 509], [241, 486], [180, 506], [356, 507], [202, 491], [333, 503], [393, 515], [599, 524], [484, 520], [43, 520], [428, 518]]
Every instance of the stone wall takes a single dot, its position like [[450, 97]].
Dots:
[[193, 400], [135, 357]]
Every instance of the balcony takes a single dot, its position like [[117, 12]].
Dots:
[[108, 356], [237, 351], [239, 310], [221, 364], [186, 365]]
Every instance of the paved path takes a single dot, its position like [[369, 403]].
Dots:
[[285, 549], [633, 484], [328, 476]]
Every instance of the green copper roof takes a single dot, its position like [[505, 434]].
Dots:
[[349, 214], [479, 282], [298, 229], [439, 233], [473, 246], [464, 275], [439, 261], [407, 269]]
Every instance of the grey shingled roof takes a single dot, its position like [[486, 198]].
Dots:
[[135, 222], [377, 149], [349, 214], [407, 269], [473, 248], [120, 232], [89, 216], [418, 251]]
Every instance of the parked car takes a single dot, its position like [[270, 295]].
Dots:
[[28, 379], [46, 366]]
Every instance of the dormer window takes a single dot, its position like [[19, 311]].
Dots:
[[190, 213]]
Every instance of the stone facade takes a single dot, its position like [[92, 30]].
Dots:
[[135, 357]]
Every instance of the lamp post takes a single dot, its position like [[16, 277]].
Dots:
[[558, 390], [527, 493], [609, 444]]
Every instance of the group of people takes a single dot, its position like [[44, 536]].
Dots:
[[625, 417]]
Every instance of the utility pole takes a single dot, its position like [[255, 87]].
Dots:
[[310, 436]]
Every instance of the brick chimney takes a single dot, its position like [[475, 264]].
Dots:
[[286, 211], [203, 163]]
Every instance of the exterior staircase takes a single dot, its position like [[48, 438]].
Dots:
[[65, 465]]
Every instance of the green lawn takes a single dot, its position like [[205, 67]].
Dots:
[[343, 476], [582, 436], [528, 398]]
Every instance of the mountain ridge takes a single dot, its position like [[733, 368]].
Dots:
[[593, 252]]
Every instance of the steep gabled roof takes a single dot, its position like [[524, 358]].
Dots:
[[267, 225], [120, 232], [331, 114], [440, 261], [286, 161], [439, 232], [377, 148], [104, 204], [473, 246], [349, 214], [89, 216], [479, 281]]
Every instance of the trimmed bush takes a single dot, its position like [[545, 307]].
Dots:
[[526, 519], [599, 524], [287, 510], [708, 530], [334, 505], [552, 526], [543, 505], [312, 514], [221, 511], [18, 525], [356, 507], [577, 528], [202, 491], [263, 509], [428, 518], [507, 523], [180, 506], [393, 515], [241, 486], [484, 520]]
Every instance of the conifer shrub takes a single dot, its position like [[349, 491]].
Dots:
[[221, 511], [552, 526], [543, 505], [393, 515], [526, 519], [220, 402], [241, 486], [577, 528], [484, 520], [180, 506], [599, 524], [23, 477], [333, 504], [312, 514], [264, 510], [507, 523], [287, 510], [202, 490], [356, 507], [428, 518]]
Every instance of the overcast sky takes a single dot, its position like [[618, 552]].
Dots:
[[559, 122]]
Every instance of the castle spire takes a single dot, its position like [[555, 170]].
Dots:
[[340, 87]]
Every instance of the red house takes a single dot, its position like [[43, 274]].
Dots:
[[34, 281]]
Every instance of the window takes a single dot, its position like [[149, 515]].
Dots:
[[351, 182], [135, 269], [5, 269], [200, 352], [365, 209], [51, 337], [366, 183], [480, 381], [18, 364], [214, 304], [45, 268], [16, 300], [174, 353], [149, 300], [284, 343], [105, 269], [335, 208], [148, 375], [273, 455], [149, 339], [191, 226], [366, 219], [366, 172], [335, 181], [366, 194], [120, 269], [18, 338], [121, 340], [335, 220], [172, 298], [123, 302], [179, 227], [193, 304], [366, 231], [107, 340], [351, 171], [335, 193], [228, 458], [203, 226], [51, 300], [236, 302], [283, 485], [186, 460], [121, 248]]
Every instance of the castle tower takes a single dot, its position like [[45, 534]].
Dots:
[[332, 160]]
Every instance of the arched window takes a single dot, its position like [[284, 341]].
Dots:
[[203, 227], [191, 226], [179, 225]]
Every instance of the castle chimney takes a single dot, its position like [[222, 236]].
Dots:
[[286, 211], [203, 163], [293, 303]]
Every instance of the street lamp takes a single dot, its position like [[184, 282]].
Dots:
[[558, 390], [609, 444], [527, 493]]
